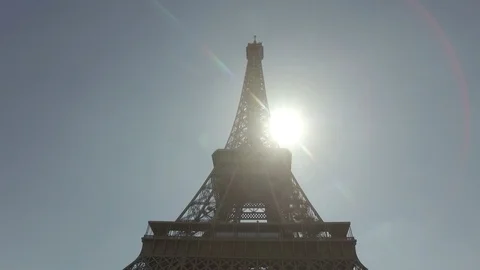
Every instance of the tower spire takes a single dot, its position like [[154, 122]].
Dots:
[[251, 127]]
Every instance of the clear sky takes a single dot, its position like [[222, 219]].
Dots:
[[110, 110]]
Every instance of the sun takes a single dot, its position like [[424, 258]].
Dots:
[[286, 126]]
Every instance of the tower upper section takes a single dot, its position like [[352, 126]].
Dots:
[[251, 128], [255, 50]]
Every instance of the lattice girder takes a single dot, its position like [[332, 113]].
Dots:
[[181, 263], [202, 206], [251, 185], [251, 127]]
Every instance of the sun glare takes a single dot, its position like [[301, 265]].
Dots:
[[286, 126]]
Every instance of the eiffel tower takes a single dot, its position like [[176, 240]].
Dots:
[[250, 213]]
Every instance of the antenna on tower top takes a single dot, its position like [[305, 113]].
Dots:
[[254, 39]]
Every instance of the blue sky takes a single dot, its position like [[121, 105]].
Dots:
[[110, 110]]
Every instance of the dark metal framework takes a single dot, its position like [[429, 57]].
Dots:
[[251, 125], [250, 213]]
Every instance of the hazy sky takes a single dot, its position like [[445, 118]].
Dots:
[[110, 110]]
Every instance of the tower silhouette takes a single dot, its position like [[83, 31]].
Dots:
[[250, 213]]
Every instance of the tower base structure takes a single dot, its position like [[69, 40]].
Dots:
[[247, 246]]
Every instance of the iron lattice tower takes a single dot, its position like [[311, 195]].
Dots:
[[250, 213]]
